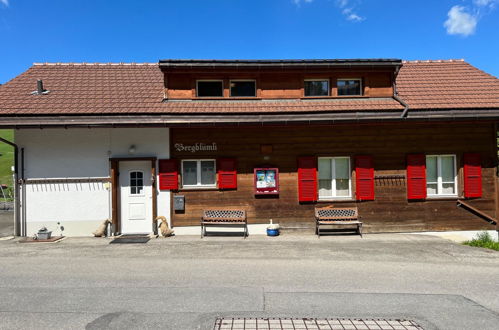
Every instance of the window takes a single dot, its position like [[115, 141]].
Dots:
[[242, 88], [316, 87], [210, 88], [349, 87], [136, 182], [441, 177], [198, 173], [334, 177]]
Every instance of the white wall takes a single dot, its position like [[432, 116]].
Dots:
[[80, 153]]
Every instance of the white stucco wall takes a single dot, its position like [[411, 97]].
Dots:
[[80, 153]]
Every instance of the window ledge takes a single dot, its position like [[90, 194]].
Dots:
[[336, 200], [443, 198], [197, 188]]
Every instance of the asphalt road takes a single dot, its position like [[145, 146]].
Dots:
[[186, 282]]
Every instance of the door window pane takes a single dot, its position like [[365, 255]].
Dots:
[[207, 172], [189, 173], [316, 87], [136, 182]]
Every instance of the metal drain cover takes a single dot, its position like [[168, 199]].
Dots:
[[314, 323]]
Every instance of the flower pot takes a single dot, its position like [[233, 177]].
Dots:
[[272, 232]]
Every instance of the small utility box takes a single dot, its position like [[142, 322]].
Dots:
[[179, 203]]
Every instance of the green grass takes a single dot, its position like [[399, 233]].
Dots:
[[6, 157], [483, 240]]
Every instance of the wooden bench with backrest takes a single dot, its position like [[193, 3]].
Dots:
[[326, 216], [224, 218]]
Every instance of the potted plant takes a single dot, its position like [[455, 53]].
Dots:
[[273, 229]]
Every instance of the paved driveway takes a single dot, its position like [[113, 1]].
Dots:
[[186, 282]]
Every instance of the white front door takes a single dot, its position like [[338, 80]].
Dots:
[[135, 197]]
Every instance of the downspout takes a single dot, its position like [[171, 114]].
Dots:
[[406, 106], [395, 94], [17, 204]]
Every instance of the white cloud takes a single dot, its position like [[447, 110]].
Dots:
[[460, 21], [5, 2], [484, 3], [348, 10], [297, 2], [463, 20], [355, 18]]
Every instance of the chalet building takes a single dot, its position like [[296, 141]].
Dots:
[[405, 142]]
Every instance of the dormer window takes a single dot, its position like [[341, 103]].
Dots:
[[316, 87], [349, 87], [242, 88], [209, 88]]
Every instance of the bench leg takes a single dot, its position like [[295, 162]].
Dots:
[[201, 230], [359, 229]]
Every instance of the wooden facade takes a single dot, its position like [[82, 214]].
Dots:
[[388, 144], [281, 85]]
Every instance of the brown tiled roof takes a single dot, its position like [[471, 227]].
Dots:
[[451, 84], [138, 89], [225, 107], [85, 89]]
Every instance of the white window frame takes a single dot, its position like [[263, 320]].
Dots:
[[198, 173], [439, 177], [209, 80], [240, 80], [333, 180], [318, 79], [360, 84]]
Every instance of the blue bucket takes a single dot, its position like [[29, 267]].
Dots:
[[272, 232]]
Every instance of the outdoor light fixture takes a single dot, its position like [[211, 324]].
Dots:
[[132, 149]]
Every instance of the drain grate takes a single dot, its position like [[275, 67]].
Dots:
[[313, 323]]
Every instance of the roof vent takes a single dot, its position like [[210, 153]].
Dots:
[[39, 88]]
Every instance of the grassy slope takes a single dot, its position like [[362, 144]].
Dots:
[[7, 157]]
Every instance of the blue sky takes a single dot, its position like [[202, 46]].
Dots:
[[145, 31]]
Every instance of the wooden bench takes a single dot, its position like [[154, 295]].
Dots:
[[325, 216], [224, 218]]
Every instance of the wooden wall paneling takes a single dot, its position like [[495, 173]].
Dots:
[[388, 144]]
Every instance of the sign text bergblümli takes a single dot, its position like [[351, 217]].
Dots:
[[196, 147]]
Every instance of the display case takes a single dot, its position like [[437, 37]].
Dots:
[[266, 181]]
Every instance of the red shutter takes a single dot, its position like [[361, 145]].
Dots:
[[168, 174], [472, 175], [416, 176], [227, 173], [307, 179], [364, 178]]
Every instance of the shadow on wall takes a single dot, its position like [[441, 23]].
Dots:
[[68, 187]]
